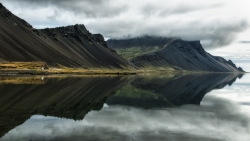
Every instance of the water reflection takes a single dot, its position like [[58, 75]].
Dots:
[[163, 91], [69, 97], [22, 80], [74, 97]]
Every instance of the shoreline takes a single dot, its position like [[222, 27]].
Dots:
[[41, 68], [65, 71], [77, 71]]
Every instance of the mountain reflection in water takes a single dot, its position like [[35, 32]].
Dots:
[[74, 97], [160, 91]]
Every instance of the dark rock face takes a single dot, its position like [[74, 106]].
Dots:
[[175, 53], [71, 46], [100, 39], [240, 69]]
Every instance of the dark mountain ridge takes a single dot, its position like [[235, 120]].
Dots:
[[172, 53], [71, 46]]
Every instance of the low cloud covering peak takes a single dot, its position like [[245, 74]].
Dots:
[[215, 23]]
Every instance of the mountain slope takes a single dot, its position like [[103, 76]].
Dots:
[[148, 52], [71, 46]]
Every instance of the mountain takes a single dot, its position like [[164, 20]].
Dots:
[[170, 53], [70, 46], [75, 46]]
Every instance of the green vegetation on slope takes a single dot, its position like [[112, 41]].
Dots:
[[129, 53]]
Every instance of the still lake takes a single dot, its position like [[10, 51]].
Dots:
[[211, 107]]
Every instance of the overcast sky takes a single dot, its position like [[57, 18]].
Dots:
[[217, 23]]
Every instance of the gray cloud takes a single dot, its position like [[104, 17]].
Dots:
[[211, 34], [245, 103], [88, 8], [244, 42], [154, 10], [210, 21]]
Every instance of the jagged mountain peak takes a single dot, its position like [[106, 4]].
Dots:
[[76, 31], [197, 45], [13, 19], [240, 69], [2, 7], [187, 46], [77, 28], [4, 11]]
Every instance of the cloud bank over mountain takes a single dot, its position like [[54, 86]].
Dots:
[[215, 23]]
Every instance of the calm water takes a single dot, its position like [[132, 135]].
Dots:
[[133, 108]]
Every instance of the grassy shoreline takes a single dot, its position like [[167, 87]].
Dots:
[[41, 68], [98, 72], [63, 71]]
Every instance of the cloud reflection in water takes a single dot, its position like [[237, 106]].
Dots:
[[218, 118]]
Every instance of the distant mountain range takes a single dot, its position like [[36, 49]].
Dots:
[[172, 53], [74, 46]]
